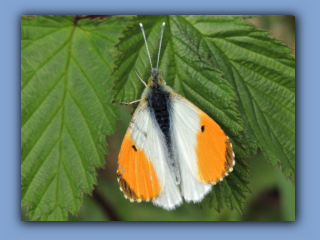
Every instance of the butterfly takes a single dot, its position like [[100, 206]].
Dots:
[[172, 150]]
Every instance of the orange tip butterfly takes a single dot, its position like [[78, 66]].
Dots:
[[172, 150]]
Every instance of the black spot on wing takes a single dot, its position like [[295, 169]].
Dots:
[[202, 128], [134, 147]]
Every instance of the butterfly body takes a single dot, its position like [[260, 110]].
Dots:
[[172, 150], [157, 95]]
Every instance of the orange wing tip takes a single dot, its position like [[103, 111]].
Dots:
[[139, 200], [225, 175], [233, 162], [135, 198], [144, 186], [231, 167], [214, 151]]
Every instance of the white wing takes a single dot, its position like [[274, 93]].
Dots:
[[185, 126]]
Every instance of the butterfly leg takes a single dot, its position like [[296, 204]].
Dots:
[[140, 77], [128, 102]]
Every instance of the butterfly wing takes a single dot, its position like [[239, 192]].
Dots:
[[143, 173], [203, 150]]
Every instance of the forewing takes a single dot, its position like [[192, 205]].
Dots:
[[143, 171], [203, 150], [140, 177]]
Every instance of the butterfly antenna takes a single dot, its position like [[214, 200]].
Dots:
[[162, 30], [145, 40]]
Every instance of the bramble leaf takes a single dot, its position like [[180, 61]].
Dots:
[[262, 72], [66, 109]]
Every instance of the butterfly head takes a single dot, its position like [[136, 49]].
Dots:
[[155, 78]]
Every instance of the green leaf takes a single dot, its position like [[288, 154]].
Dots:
[[262, 72], [66, 109], [187, 67]]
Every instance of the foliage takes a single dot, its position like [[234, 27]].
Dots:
[[239, 75], [259, 72], [66, 109]]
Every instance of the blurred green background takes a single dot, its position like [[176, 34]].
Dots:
[[272, 197]]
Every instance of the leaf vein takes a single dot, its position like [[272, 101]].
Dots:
[[36, 39], [41, 101], [79, 155], [94, 90], [97, 50], [41, 164], [42, 132], [85, 121], [108, 39], [45, 62], [69, 181], [278, 142]]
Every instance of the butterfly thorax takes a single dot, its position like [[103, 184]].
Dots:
[[158, 101]]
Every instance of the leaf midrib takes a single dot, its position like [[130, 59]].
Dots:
[[93, 89], [61, 127], [265, 140]]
